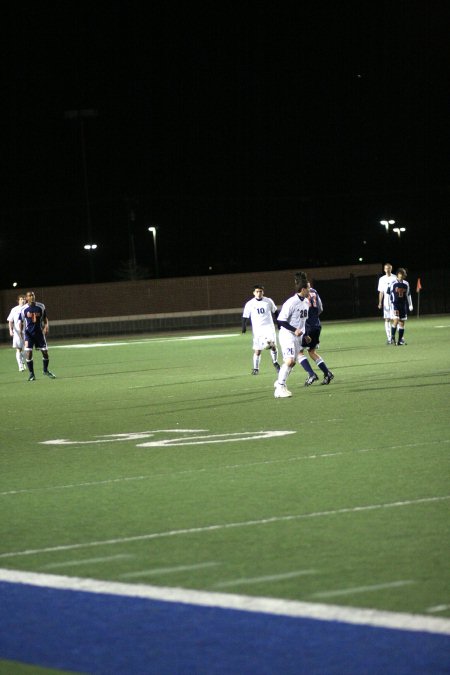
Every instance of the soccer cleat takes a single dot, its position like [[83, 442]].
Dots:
[[48, 373], [328, 377], [31, 378], [312, 378], [281, 391], [389, 342], [255, 371], [277, 366], [401, 342]]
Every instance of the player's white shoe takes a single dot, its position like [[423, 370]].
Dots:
[[281, 391]]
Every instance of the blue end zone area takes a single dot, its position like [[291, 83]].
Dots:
[[108, 635]]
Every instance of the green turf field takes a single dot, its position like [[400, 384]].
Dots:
[[160, 460]]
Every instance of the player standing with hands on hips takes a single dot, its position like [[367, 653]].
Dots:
[[261, 311], [33, 318]]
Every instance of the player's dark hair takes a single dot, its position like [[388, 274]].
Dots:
[[258, 286], [402, 271], [300, 280]]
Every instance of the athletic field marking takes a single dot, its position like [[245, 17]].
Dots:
[[221, 526], [87, 561], [361, 589], [189, 440], [257, 580], [167, 570], [292, 608], [213, 469], [215, 438], [143, 342], [120, 438], [438, 608]]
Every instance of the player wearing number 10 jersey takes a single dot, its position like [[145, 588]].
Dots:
[[261, 311]]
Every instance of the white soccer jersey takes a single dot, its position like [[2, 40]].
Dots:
[[260, 314], [17, 335], [384, 284], [14, 317], [295, 311]]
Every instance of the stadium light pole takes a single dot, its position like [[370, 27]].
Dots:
[[155, 250], [89, 248], [80, 116], [398, 231], [386, 224]]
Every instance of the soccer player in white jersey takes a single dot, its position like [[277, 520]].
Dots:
[[16, 331], [291, 320], [261, 311], [384, 299]]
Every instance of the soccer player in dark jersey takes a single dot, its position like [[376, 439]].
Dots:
[[313, 329], [33, 318], [401, 302]]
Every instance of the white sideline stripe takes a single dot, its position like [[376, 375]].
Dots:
[[87, 561], [292, 608], [167, 570], [218, 468], [257, 580], [222, 526], [362, 589]]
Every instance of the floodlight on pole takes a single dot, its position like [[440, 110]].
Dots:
[[153, 230], [90, 247], [386, 223], [398, 231], [79, 116]]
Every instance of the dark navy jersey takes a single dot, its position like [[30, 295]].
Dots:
[[315, 309], [400, 294], [33, 317]]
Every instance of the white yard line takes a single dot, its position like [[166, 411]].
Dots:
[[257, 580], [216, 469], [438, 608], [362, 589], [224, 526], [167, 570], [291, 608], [87, 561]]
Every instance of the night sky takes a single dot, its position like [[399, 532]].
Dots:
[[255, 136]]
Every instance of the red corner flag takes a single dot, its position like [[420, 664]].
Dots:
[[419, 286]]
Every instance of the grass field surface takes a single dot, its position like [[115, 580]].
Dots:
[[160, 461]]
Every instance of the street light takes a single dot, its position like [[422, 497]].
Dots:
[[155, 251], [386, 223], [399, 230]]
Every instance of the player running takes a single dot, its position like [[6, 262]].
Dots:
[[291, 320]]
